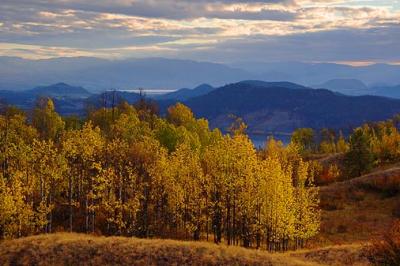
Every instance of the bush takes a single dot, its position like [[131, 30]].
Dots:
[[386, 251], [328, 175]]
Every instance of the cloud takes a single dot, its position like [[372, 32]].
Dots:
[[367, 45], [169, 9], [221, 30]]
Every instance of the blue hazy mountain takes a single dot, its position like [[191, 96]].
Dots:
[[60, 90], [101, 74], [68, 99], [185, 93], [318, 73], [98, 75]]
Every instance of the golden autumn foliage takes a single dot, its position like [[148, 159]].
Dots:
[[126, 172]]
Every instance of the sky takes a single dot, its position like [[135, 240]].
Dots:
[[353, 32]]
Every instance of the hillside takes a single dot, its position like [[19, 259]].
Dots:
[[359, 209], [280, 108], [74, 249]]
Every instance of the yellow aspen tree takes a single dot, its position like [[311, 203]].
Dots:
[[189, 178], [8, 210], [46, 120], [17, 217], [150, 162], [341, 145], [48, 167], [278, 205], [119, 190], [307, 210], [83, 149]]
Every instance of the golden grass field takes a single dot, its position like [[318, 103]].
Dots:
[[80, 249]]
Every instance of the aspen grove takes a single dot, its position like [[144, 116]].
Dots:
[[126, 171]]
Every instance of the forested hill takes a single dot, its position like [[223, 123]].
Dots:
[[276, 107]]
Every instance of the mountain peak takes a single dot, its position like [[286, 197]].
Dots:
[[61, 90], [203, 86]]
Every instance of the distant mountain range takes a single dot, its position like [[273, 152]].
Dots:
[[357, 87], [318, 73], [277, 107], [98, 75]]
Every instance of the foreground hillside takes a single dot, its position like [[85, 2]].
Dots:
[[74, 249], [360, 209]]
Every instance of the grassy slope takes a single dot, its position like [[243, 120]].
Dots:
[[78, 249], [354, 212], [349, 255], [360, 209]]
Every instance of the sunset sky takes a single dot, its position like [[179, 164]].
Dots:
[[355, 32]]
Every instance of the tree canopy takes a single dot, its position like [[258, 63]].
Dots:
[[127, 171]]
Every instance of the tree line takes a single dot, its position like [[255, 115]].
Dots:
[[370, 145], [127, 171]]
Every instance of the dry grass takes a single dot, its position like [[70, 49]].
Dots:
[[360, 209], [350, 255], [79, 249]]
